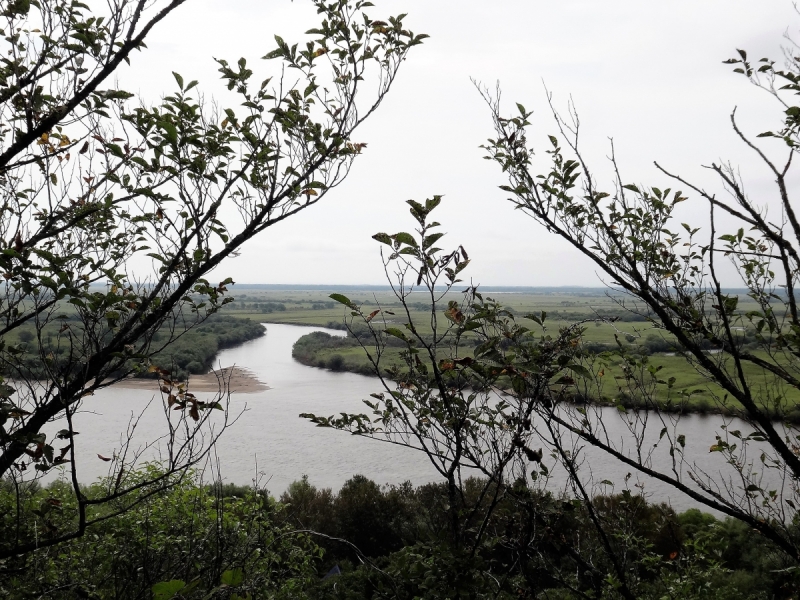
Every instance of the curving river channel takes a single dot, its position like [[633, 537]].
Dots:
[[270, 442]]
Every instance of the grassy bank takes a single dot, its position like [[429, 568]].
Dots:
[[683, 387], [690, 391]]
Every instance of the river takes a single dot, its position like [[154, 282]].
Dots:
[[270, 443]]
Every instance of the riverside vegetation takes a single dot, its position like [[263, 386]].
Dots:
[[191, 351], [608, 326]]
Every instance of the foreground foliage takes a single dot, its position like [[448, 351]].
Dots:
[[528, 400], [191, 539], [200, 540], [669, 272], [116, 211]]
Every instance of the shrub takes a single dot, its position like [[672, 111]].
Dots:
[[336, 362], [195, 367]]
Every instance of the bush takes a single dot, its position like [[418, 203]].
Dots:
[[336, 362], [195, 368]]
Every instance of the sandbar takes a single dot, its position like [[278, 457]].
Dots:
[[234, 379]]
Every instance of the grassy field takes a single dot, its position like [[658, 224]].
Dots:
[[314, 307], [563, 308]]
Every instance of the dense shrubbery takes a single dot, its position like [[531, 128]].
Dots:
[[322, 305], [190, 538], [404, 531], [305, 349], [390, 542], [263, 307], [308, 348]]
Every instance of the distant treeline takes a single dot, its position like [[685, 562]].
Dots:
[[504, 289], [194, 352], [189, 352]]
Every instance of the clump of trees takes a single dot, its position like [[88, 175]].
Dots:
[[264, 307], [194, 351], [315, 350], [189, 351]]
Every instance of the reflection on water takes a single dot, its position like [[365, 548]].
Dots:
[[271, 439]]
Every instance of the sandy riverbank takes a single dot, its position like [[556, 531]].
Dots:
[[235, 379]]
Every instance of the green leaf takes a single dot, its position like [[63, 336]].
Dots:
[[579, 370], [383, 238], [232, 577], [431, 239], [343, 300], [432, 203], [166, 590], [170, 132], [537, 318], [405, 238], [395, 332], [179, 79]]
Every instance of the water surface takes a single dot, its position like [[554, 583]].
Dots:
[[271, 443]]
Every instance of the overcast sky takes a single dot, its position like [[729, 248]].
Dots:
[[648, 74]]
